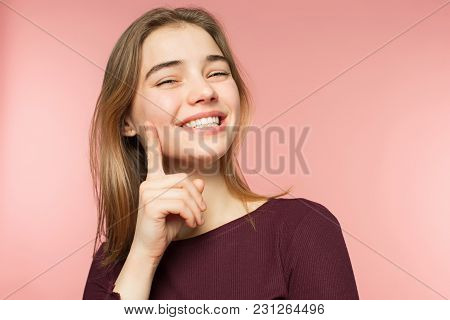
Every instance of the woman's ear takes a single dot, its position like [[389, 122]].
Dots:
[[128, 128]]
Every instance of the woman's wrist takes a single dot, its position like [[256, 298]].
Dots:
[[139, 254], [136, 277]]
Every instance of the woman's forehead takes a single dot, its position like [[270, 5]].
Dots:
[[178, 43]]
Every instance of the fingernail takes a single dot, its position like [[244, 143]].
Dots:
[[203, 205]]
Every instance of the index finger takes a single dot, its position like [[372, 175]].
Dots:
[[153, 151]]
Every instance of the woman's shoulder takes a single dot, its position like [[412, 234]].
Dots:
[[313, 252], [301, 220], [294, 211], [308, 229]]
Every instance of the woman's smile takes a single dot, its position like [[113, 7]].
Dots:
[[207, 129]]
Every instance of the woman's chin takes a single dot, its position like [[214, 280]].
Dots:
[[199, 161], [205, 157], [202, 149]]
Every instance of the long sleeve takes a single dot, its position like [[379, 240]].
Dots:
[[100, 281], [319, 265]]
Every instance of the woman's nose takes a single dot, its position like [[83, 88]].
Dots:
[[202, 91]]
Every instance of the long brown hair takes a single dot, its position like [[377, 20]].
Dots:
[[118, 163]]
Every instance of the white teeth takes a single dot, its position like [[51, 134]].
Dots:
[[203, 122]]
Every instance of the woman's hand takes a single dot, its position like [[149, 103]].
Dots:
[[166, 201]]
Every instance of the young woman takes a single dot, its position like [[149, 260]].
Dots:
[[178, 218]]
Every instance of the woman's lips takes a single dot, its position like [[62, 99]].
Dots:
[[210, 130], [214, 113]]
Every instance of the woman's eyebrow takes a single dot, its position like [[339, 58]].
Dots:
[[209, 58]]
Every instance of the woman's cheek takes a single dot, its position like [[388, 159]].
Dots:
[[161, 108], [230, 93], [231, 99]]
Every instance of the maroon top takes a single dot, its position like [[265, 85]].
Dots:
[[296, 252]]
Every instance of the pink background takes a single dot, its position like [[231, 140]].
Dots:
[[378, 148]]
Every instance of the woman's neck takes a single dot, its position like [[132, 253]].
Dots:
[[222, 206]]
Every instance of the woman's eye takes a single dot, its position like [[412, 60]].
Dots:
[[213, 74], [220, 73], [167, 81]]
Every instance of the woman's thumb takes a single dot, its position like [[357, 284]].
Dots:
[[200, 184]]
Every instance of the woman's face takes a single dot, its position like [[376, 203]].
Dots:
[[171, 94]]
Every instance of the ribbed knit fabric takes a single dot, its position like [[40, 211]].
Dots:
[[296, 252]]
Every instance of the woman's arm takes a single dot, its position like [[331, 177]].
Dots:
[[131, 279], [136, 277], [319, 265]]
